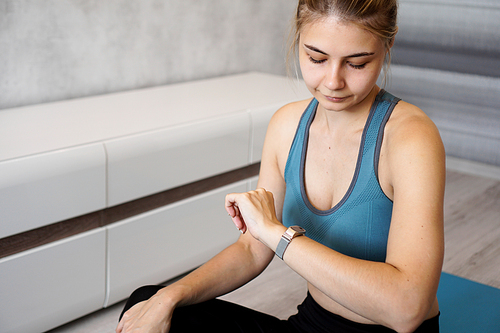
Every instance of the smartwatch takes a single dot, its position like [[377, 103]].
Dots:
[[290, 233]]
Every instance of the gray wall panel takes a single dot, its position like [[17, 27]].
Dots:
[[60, 49], [450, 35], [462, 25]]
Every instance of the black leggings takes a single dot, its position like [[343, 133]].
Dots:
[[221, 316]]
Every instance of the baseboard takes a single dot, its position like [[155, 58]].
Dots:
[[472, 167]]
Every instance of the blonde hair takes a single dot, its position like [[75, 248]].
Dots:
[[376, 16]]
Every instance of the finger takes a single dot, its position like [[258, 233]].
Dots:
[[239, 223], [233, 209], [237, 211], [230, 200], [230, 211], [119, 328], [121, 325]]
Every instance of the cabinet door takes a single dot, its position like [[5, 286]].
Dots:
[[53, 284], [156, 246]]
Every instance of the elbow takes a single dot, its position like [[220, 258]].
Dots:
[[409, 316], [406, 325]]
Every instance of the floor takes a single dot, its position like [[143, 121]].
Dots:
[[472, 232]]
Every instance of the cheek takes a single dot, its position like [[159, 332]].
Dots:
[[376, 70], [364, 80], [372, 78], [310, 74]]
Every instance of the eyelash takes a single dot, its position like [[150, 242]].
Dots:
[[314, 61], [357, 66]]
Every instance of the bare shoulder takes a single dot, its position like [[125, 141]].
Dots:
[[413, 143], [288, 116], [409, 127], [280, 133], [283, 124]]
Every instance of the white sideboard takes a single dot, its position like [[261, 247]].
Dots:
[[103, 194]]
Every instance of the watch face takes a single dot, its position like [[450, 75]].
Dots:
[[298, 229]]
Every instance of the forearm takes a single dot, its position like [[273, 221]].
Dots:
[[344, 279], [230, 269], [376, 291], [227, 271]]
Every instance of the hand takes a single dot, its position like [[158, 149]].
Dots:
[[151, 316], [253, 211]]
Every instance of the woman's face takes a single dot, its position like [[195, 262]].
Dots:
[[340, 62]]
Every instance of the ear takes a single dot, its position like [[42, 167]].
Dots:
[[391, 43]]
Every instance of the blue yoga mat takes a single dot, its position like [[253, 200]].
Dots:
[[468, 306]]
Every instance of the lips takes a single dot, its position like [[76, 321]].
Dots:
[[335, 99]]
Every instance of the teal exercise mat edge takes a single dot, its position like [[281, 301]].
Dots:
[[468, 306]]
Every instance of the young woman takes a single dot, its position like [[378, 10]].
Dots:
[[361, 171]]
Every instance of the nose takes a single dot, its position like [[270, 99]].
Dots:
[[334, 78]]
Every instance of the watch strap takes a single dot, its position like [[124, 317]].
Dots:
[[282, 245], [286, 238]]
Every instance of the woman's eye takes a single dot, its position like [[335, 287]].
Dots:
[[357, 66], [316, 61]]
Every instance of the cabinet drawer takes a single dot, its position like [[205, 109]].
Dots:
[[53, 284], [152, 162]]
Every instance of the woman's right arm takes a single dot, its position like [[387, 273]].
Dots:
[[234, 266], [247, 258]]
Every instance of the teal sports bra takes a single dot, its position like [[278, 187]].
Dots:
[[358, 226]]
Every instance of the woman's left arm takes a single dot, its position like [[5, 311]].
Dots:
[[400, 292]]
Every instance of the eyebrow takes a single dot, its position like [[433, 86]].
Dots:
[[355, 55]]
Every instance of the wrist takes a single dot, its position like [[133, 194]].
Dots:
[[174, 295], [273, 235], [290, 234]]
